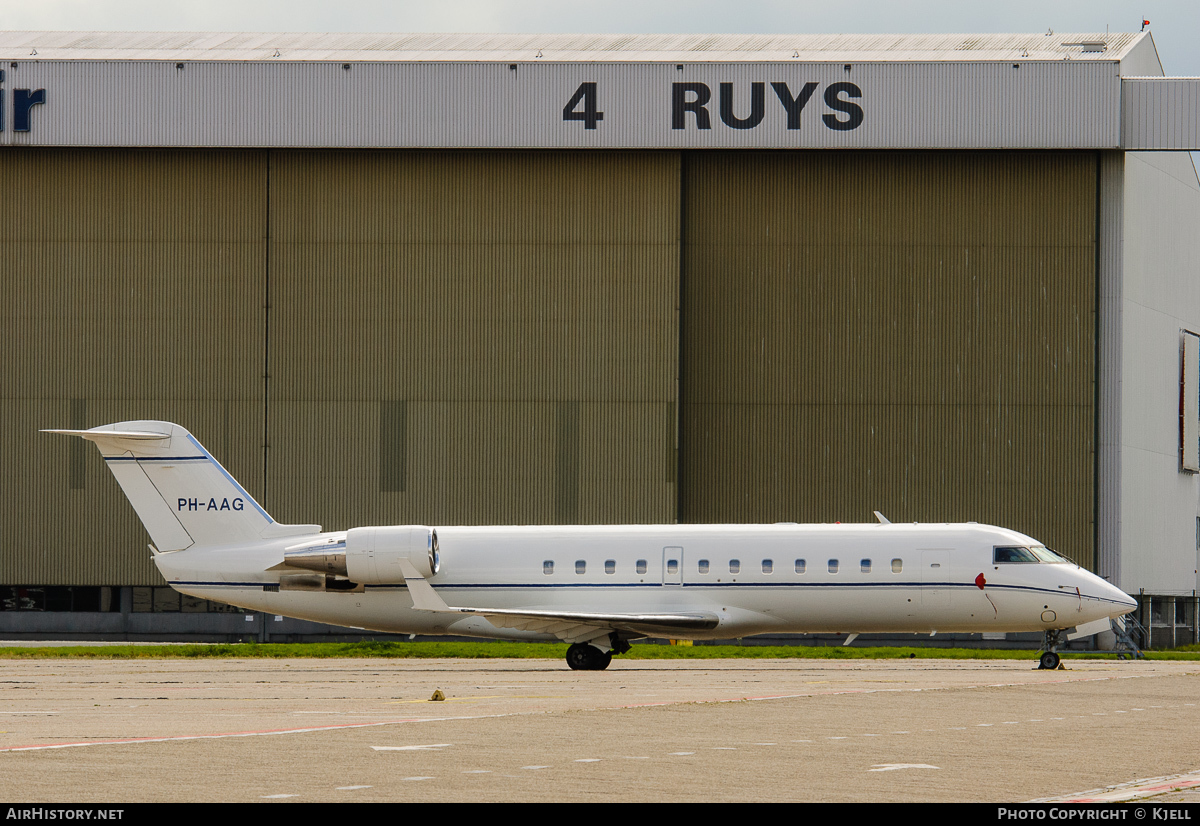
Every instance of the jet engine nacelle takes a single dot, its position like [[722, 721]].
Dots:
[[373, 554]]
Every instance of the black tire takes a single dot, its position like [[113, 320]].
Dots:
[[1049, 661], [584, 657], [577, 656]]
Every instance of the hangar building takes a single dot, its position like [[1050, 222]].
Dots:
[[475, 279]]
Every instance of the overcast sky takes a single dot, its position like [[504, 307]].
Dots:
[[1174, 23]]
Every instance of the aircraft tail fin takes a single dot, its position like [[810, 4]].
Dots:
[[180, 492]]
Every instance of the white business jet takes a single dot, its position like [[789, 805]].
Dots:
[[595, 587]]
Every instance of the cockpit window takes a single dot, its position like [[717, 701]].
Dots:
[[1047, 555], [1013, 555], [1037, 553]]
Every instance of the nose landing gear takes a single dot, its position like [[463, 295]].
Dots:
[[1049, 661]]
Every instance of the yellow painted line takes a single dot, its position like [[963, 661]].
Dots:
[[467, 699]]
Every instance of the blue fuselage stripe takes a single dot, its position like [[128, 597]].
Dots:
[[690, 585]]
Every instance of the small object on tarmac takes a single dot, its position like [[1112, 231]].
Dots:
[[438, 696]]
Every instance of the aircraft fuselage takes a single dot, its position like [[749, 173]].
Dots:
[[756, 579]]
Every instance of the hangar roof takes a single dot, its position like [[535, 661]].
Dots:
[[600, 48]]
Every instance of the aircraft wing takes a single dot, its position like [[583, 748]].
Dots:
[[584, 626], [568, 626]]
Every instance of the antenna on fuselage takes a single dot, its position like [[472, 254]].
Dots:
[[883, 520]]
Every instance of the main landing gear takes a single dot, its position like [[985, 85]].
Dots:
[[584, 656], [1049, 661]]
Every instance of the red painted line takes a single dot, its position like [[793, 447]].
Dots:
[[827, 692], [264, 733], [1132, 790]]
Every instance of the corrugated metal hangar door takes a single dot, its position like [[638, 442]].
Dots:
[[501, 337], [908, 332], [473, 337], [135, 284]]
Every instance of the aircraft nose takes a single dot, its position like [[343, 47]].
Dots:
[[1120, 598]]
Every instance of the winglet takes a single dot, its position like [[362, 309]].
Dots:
[[883, 520]]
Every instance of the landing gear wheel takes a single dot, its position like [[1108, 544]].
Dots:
[[1050, 641], [584, 657]]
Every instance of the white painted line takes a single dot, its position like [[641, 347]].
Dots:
[[478, 771], [588, 760], [534, 768], [681, 753], [412, 748], [133, 740], [277, 796], [351, 788], [419, 778], [891, 767]]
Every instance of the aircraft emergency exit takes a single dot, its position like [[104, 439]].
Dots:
[[595, 587]]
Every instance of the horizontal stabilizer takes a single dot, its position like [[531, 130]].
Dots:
[[107, 433]]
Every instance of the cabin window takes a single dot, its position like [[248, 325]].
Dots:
[[610, 566], [833, 566], [702, 566], [641, 566], [672, 566], [801, 566], [865, 566], [735, 565], [768, 566], [548, 567], [580, 566], [897, 565]]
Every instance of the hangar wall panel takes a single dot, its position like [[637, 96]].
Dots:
[[507, 319], [134, 287], [1160, 296], [1160, 113], [913, 333], [1109, 370]]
